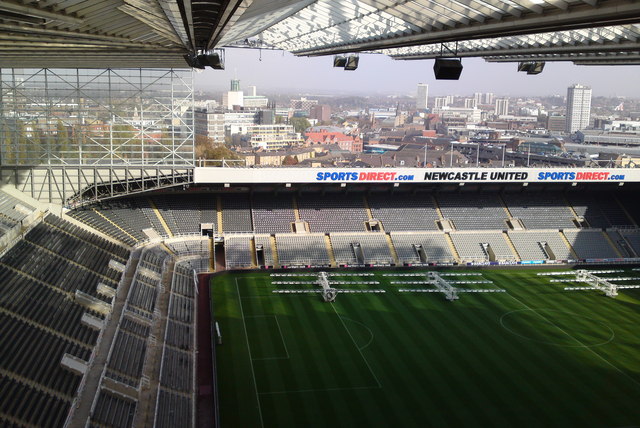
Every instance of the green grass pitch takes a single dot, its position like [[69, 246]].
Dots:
[[535, 356]]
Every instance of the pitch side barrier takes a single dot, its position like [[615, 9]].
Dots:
[[238, 176]]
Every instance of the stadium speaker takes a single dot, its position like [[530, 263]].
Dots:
[[352, 62], [531, 67], [447, 68], [213, 60], [194, 61], [339, 61]]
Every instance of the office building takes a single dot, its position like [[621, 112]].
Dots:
[[578, 107], [422, 96], [502, 107]]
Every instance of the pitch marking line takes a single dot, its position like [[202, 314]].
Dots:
[[612, 334], [253, 373], [370, 332], [579, 342], [295, 391], [284, 343], [356, 345]]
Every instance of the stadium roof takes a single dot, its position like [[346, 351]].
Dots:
[[157, 33]]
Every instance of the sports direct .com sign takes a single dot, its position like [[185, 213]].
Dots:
[[412, 175]]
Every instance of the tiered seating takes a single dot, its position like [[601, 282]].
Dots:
[[173, 410], [302, 250], [333, 213], [633, 238], [144, 288], [94, 220], [13, 209], [434, 245], [404, 212], [12, 212], [529, 245], [199, 265], [184, 213], [601, 210], [26, 298], [176, 378], [32, 355], [127, 358], [112, 410], [40, 409], [473, 211], [70, 248], [265, 242], [272, 214], [361, 248], [540, 210], [187, 247], [590, 244], [117, 251], [236, 213], [470, 246], [128, 214], [40, 321], [625, 249], [237, 251], [587, 206]]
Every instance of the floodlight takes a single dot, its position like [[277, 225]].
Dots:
[[193, 60], [214, 59]]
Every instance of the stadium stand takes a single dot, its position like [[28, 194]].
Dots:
[[540, 245], [361, 248], [404, 212], [302, 250], [237, 251], [41, 321], [113, 411], [333, 213], [422, 248], [236, 213], [540, 210], [272, 214], [633, 238], [590, 244], [473, 211], [482, 246], [99, 222], [175, 402], [263, 246], [624, 248]]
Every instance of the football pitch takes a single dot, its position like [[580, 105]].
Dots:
[[533, 356]]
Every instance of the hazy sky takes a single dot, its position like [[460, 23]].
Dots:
[[382, 75]]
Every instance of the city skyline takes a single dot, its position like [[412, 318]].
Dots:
[[377, 74]]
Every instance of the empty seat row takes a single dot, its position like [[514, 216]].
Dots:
[[113, 411]]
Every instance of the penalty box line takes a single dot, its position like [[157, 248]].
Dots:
[[588, 348], [356, 345], [253, 373], [301, 391], [284, 343]]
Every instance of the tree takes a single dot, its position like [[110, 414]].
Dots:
[[62, 139], [7, 142], [290, 160], [300, 124], [216, 152]]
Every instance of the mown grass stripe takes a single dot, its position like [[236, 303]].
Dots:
[[440, 363]]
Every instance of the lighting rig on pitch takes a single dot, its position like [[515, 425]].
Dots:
[[594, 283], [324, 281], [443, 284]]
